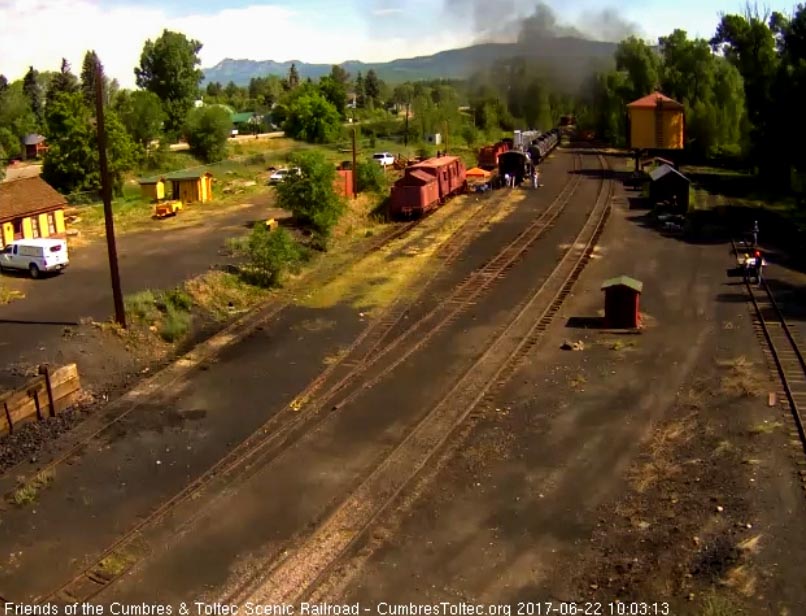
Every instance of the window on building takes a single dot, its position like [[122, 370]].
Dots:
[[52, 223], [18, 226], [35, 226]]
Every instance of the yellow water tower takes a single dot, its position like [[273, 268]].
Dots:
[[655, 122]]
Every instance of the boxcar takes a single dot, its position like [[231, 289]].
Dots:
[[426, 185]]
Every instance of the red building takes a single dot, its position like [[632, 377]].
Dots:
[[622, 296], [35, 146]]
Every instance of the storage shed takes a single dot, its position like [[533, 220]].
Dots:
[[668, 185], [153, 189], [621, 302], [190, 187], [30, 208], [655, 122]]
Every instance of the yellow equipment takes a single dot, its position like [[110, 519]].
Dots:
[[163, 209], [272, 224]]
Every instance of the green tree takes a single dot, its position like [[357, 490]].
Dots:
[[168, 68], [64, 81], [292, 81], [207, 130], [16, 118], [3, 162], [642, 65], [3, 84], [142, 115], [311, 195], [359, 90], [33, 90], [71, 162], [335, 92], [309, 116], [270, 254], [88, 78], [265, 91], [214, 89], [372, 88]]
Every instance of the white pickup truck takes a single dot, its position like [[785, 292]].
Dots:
[[37, 256], [384, 159]]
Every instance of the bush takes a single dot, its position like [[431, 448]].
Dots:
[[370, 177], [171, 309], [311, 196], [175, 324], [270, 254]]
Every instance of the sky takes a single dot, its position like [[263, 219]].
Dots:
[[41, 32]]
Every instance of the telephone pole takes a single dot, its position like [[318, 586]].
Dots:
[[355, 170], [106, 192], [406, 134]]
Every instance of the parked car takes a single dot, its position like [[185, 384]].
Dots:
[[384, 159], [37, 256], [281, 174]]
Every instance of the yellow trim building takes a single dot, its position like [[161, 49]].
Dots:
[[30, 208]]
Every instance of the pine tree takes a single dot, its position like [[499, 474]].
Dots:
[[293, 77], [32, 90], [88, 78], [64, 81]]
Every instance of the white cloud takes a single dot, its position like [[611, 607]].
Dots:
[[40, 33], [385, 12]]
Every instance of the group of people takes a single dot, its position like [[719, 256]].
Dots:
[[511, 179], [754, 266]]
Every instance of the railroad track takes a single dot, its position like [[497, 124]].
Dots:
[[283, 428], [300, 570], [785, 352]]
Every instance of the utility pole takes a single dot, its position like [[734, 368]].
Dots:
[[355, 170], [106, 191], [406, 134], [446, 136]]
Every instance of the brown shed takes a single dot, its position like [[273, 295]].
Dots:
[[621, 302]]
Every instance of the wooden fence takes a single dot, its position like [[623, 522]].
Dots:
[[44, 396]]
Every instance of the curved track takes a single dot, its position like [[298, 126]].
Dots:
[[367, 352], [299, 572]]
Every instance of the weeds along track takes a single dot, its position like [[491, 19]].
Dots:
[[784, 352], [289, 423], [160, 388], [311, 557]]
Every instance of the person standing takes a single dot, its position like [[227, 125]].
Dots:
[[755, 233], [506, 179], [760, 263], [534, 178]]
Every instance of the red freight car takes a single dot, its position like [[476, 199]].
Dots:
[[488, 155], [427, 184]]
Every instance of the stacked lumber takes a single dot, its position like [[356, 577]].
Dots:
[[44, 396]]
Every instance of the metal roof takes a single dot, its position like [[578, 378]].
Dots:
[[650, 101], [665, 170], [33, 139], [152, 180], [187, 175], [243, 117], [623, 281]]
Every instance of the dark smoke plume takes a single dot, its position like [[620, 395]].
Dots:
[[509, 21]]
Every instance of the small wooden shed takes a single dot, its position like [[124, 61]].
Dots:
[[153, 188], [191, 186], [668, 185], [622, 296]]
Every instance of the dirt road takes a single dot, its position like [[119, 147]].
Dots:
[[31, 327]]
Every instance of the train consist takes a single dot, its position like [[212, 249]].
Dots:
[[427, 184]]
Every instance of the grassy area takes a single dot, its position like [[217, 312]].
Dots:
[[165, 312], [27, 492]]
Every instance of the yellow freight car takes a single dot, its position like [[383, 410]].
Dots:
[[655, 122]]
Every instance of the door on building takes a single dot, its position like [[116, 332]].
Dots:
[[18, 228]]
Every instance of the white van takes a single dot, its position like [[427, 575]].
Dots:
[[36, 256]]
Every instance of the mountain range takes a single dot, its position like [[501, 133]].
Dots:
[[567, 57]]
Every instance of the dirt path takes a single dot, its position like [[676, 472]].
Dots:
[[32, 329], [638, 468]]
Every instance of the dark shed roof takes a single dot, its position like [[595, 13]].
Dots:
[[28, 196], [623, 281], [665, 170]]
